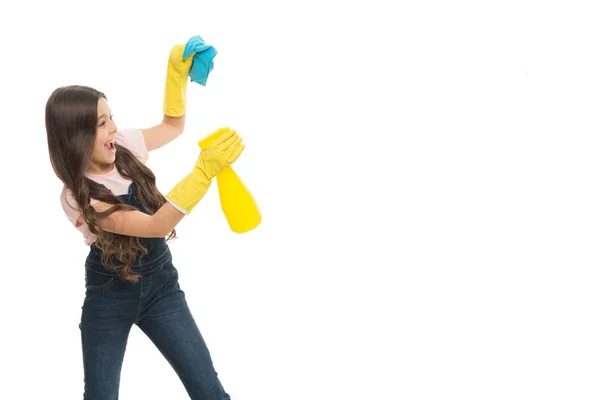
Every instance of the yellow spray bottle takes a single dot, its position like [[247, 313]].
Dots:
[[237, 202]]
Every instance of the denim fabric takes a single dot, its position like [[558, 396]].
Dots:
[[157, 305]]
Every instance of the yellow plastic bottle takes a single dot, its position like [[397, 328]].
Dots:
[[237, 202]]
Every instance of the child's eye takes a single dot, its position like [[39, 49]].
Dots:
[[104, 122]]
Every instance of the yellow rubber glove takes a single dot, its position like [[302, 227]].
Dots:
[[237, 202], [174, 103], [221, 153]]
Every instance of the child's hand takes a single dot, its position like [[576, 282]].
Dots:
[[220, 154], [176, 60]]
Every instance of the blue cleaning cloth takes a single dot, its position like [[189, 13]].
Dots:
[[202, 62]]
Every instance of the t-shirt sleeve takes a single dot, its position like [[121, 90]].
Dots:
[[71, 209], [133, 140], [69, 205]]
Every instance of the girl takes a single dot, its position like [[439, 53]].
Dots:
[[110, 195]]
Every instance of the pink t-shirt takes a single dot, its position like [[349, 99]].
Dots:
[[133, 140]]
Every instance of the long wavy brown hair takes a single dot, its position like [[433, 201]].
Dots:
[[71, 118]]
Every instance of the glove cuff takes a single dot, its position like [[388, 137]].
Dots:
[[189, 191]]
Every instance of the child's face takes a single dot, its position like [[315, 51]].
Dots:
[[103, 155]]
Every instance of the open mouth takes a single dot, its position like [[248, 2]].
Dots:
[[110, 146]]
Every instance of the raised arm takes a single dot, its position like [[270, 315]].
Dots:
[[174, 101], [163, 133], [175, 94]]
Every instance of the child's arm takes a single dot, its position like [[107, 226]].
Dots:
[[163, 133], [137, 223], [174, 97], [182, 198]]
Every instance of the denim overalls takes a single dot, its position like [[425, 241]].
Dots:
[[157, 305]]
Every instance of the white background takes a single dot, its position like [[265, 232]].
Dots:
[[427, 175]]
